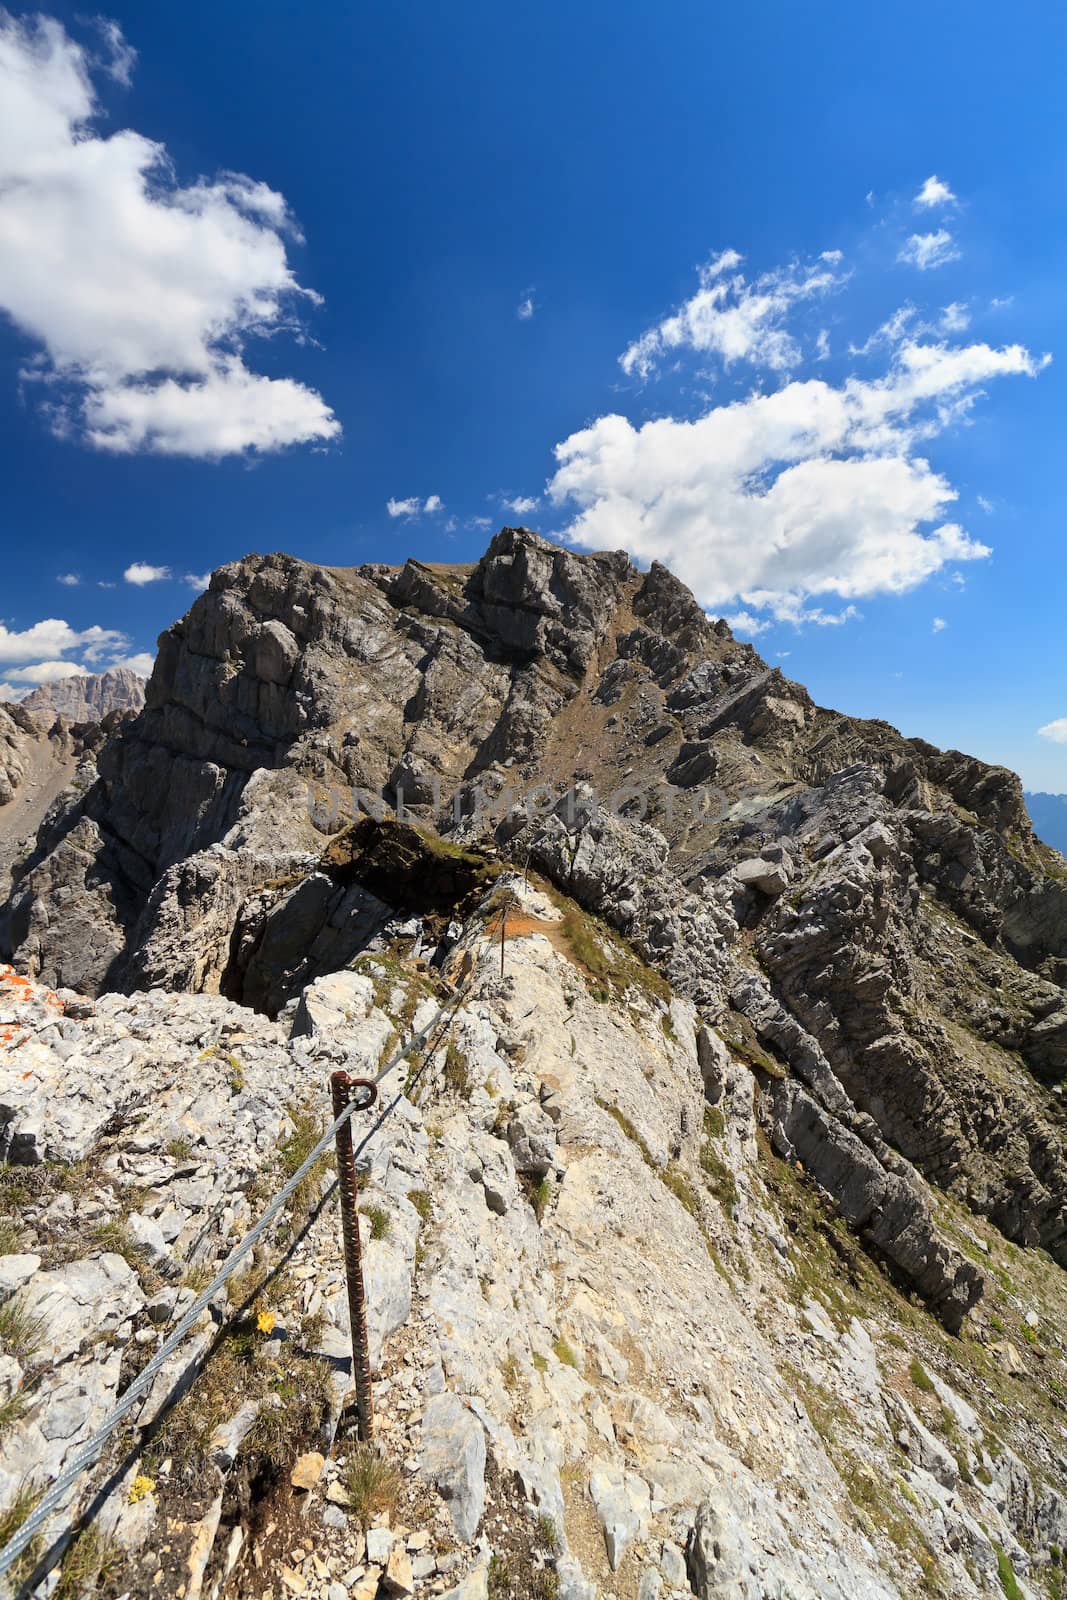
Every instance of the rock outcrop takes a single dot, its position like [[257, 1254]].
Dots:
[[39, 760]]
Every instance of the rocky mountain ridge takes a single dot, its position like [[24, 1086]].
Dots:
[[86, 697], [865, 927], [40, 757]]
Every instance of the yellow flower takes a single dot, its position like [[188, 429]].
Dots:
[[265, 1322], [140, 1488]]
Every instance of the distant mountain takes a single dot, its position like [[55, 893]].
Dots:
[[87, 699], [1048, 812]]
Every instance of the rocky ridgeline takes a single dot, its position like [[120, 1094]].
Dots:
[[86, 697], [615, 1352], [864, 936], [878, 912]]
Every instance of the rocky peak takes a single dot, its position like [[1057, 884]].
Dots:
[[86, 697]]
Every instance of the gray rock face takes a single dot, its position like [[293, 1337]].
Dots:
[[453, 1460]]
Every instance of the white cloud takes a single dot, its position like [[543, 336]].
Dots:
[[526, 307], [939, 625], [70, 580], [47, 672], [934, 193], [413, 506], [142, 572], [521, 504], [53, 638], [1056, 731], [197, 580], [927, 250], [812, 490], [141, 347], [734, 319], [743, 622], [141, 663], [985, 505], [955, 317], [891, 333]]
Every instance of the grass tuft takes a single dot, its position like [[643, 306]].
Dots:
[[372, 1483], [11, 1521], [20, 1333]]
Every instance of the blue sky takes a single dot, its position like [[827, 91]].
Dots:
[[766, 292]]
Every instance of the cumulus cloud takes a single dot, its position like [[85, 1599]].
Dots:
[[413, 506], [775, 500], [142, 572], [47, 672], [141, 663], [933, 193], [736, 320], [1056, 731], [928, 250], [53, 638], [70, 580], [139, 292], [197, 580], [939, 625], [526, 307], [747, 625]]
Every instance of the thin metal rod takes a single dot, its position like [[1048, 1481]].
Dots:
[[342, 1087], [503, 935]]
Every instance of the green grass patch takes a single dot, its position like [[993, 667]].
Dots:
[[919, 1376], [628, 1129], [1006, 1574], [682, 1190], [563, 1352], [379, 1219], [718, 1176]]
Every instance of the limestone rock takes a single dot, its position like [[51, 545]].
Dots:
[[453, 1460], [307, 1470]]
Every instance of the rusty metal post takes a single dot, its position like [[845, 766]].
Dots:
[[342, 1087]]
